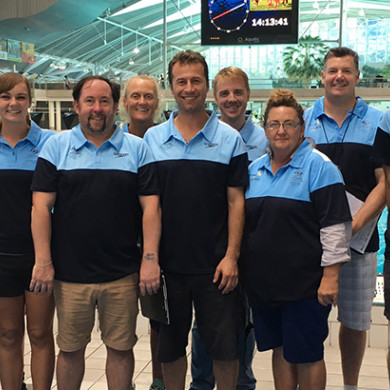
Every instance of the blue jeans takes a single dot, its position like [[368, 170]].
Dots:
[[202, 365]]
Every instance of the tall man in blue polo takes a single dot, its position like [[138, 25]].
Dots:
[[202, 167], [232, 93], [343, 127], [95, 178]]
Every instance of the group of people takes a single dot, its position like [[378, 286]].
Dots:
[[258, 254]]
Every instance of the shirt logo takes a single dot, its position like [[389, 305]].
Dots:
[[254, 176], [73, 153], [33, 155], [296, 177], [119, 155], [249, 147], [210, 145]]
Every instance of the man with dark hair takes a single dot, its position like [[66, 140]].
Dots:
[[186, 58], [115, 88], [202, 167], [340, 52], [343, 127], [95, 177]]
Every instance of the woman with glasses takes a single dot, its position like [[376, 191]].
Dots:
[[298, 228], [20, 143]]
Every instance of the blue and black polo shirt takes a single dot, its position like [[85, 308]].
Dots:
[[382, 141], [382, 155], [254, 139], [96, 221], [16, 171], [284, 214], [349, 147], [193, 182]]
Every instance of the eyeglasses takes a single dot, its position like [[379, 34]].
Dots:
[[287, 125]]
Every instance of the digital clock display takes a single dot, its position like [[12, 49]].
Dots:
[[248, 22]]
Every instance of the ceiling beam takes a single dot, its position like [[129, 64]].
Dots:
[[137, 32]]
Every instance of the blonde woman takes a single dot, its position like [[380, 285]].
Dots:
[[140, 109]]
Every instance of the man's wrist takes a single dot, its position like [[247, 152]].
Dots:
[[43, 261], [150, 257], [43, 265], [233, 256]]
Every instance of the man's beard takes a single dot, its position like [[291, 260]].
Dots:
[[99, 130]]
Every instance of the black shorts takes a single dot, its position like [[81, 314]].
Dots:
[[15, 274], [220, 317], [386, 281], [155, 325], [300, 327]]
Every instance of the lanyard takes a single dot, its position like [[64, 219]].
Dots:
[[349, 122]]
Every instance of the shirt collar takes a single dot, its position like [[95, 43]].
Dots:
[[300, 155], [359, 110], [116, 140], [247, 129], [34, 133], [298, 158], [33, 136], [207, 132]]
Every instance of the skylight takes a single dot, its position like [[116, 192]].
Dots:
[[137, 6], [186, 12]]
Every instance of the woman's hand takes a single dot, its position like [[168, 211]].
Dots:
[[329, 287]]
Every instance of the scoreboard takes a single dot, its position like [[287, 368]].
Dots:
[[249, 22]]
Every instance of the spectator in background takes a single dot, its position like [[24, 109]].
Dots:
[[66, 83]]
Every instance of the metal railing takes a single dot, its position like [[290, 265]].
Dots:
[[270, 83]]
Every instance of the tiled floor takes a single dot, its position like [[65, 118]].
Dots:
[[373, 373]]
